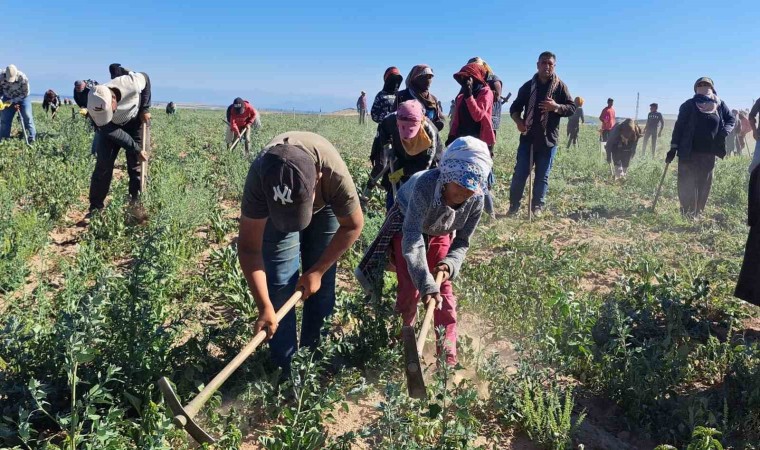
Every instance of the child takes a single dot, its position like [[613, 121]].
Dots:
[[419, 229]]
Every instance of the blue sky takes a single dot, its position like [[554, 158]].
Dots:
[[312, 55]]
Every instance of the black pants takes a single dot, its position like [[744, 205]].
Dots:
[[572, 134], [650, 135], [107, 151], [695, 176], [621, 158]]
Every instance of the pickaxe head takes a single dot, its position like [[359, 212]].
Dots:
[[181, 418], [414, 380]]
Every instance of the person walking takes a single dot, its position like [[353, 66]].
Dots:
[[300, 213], [536, 111], [119, 109], [699, 136], [385, 100], [418, 88], [428, 231], [240, 116], [14, 89], [406, 143], [653, 128], [621, 146], [574, 122], [50, 102], [361, 107], [607, 118]]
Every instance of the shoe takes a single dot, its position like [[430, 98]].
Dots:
[[513, 210], [538, 211]]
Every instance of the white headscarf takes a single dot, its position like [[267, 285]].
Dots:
[[467, 162]]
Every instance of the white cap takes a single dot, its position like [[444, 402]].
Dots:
[[99, 104], [11, 73]]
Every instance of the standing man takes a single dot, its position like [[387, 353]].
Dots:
[[240, 115], [300, 213], [14, 88], [608, 119], [753, 116], [385, 100], [50, 102], [654, 120], [118, 109], [361, 106], [537, 110]]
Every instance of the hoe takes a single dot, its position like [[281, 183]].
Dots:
[[144, 164], [183, 416], [413, 347]]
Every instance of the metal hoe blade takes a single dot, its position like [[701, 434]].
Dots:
[[181, 418], [415, 383]]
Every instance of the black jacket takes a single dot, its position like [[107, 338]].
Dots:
[[683, 132], [748, 287], [434, 114], [566, 109]]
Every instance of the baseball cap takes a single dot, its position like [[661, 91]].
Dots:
[[239, 105], [409, 119], [11, 73], [99, 105], [289, 177]]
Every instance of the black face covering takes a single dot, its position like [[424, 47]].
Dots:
[[392, 84]]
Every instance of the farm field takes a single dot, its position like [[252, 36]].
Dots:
[[599, 324]]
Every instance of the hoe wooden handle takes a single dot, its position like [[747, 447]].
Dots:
[[428, 320]]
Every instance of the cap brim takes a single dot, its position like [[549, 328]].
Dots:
[[291, 220]]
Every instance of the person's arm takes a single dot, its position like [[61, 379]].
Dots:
[[461, 242], [145, 98], [661, 124], [684, 115], [517, 107], [231, 121], [25, 84], [565, 103], [413, 244], [580, 112], [377, 154], [729, 121], [349, 229], [250, 115], [251, 258], [377, 110], [438, 119], [753, 113], [120, 138]]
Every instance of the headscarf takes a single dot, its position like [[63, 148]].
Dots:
[[479, 60], [706, 98], [474, 70], [466, 162], [423, 96], [629, 132], [391, 80]]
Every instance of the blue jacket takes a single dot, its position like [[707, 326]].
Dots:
[[683, 131]]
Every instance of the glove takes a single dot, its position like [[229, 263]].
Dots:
[[670, 156], [83, 112]]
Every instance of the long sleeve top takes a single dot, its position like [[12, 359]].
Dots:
[[684, 130], [480, 107], [240, 121], [14, 92], [537, 135], [135, 96], [607, 118], [416, 199]]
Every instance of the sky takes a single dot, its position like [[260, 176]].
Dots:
[[311, 56]]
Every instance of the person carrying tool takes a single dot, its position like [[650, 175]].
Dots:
[[536, 111], [653, 128], [428, 231], [170, 108], [406, 143], [385, 100], [621, 146], [752, 118], [118, 109], [240, 115], [300, 208], [748, 285], [14, 89], [574, 122], [699, 135], [50, 102], [607, 117], [418, 88], [361, 107]]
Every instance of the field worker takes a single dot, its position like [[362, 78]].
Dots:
[[418, 88], [752, 119], [574, 122], [428, 231], [14, 89], [385, 100], [118, 109], [51, 102], [621, 146], [733, 140], [241, 116], [496, 85], [699, 135], [748, 287], [170, 108], [81, 90], [300, 210], [406, 143], [536, 111], [116, 70], [607, 117], [361, 107], [653, 128], [743, 122]]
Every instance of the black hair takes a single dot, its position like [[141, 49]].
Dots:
[[547, 54]]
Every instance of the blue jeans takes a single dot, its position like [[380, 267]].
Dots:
[[6, 120], [542, 160], [283, 254]]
